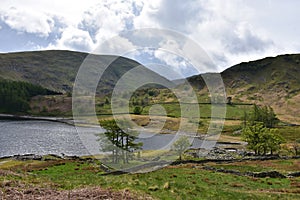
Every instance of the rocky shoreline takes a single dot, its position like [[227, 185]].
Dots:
[[25, 157]]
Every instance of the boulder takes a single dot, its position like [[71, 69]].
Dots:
[[294, 174], [271, 174]]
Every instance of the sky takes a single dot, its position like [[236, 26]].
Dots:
[[229, 32]]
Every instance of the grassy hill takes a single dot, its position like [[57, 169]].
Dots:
[[272, 81], [56, 70]]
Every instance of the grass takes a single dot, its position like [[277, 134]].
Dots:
[[290, 133], [282, 166], [184, 183], [233, 116], [187, 181], [235, 112], [70, 175]]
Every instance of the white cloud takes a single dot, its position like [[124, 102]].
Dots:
[[174, 15], [107, 19], [170, 59], [116, 46], [70, 11], [149, 11], [28, 21], [228, 32], [74, 39]]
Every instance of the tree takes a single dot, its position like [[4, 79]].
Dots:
[[145, 100], [137, 110], [106, 101], [117, 141], [296, 146], [181, 145], [272, 142], [69, 94], [263, 114], [261, 139], [244, 119], [229, 100], [251, 135], [15, 95]]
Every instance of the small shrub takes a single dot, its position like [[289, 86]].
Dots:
[[137, 110]]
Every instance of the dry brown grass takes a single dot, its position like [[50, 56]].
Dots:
[[228, 138], [51, 103], [171, 124], [21, 191]]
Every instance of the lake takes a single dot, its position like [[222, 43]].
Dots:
[[44, 137]]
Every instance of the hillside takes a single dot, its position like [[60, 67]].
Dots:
[[56, 70], [270, 81], [15, 96]]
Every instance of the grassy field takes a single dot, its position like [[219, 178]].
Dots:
[[290, 133], [188, 181], [282, 166], [173, 109]]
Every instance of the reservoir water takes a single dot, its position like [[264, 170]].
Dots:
[[44, 137]]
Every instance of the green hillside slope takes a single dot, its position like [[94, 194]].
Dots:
[[270, 81], [273, 81], [56, 70]]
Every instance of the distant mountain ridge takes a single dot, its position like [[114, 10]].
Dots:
[[57, 69]]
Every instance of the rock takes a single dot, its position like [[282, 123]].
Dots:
[[156, 159], [104, 168], [153, 188], [249, 174], [166, 185], [229, 171], [27, 157], [271, 174], [72, 157], [294, 174], [220, 154], [209, 168]]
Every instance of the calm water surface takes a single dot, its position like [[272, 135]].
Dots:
[[44, 137]]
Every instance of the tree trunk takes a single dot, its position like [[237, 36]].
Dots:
[[122, 146], [127, 148]]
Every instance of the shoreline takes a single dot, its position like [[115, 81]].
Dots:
[[68, 121], [30, 156]]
